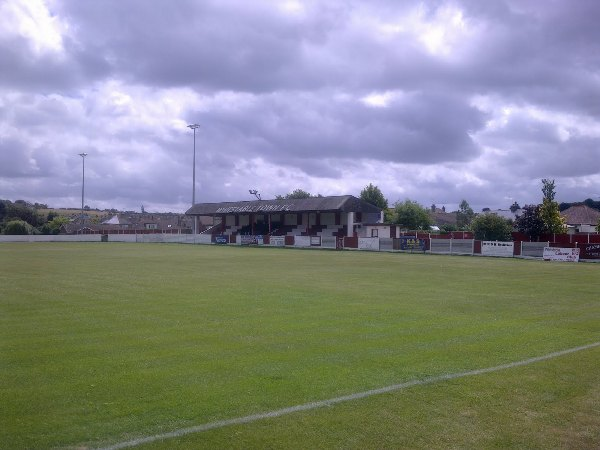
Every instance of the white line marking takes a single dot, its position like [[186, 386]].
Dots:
[[345, 398]]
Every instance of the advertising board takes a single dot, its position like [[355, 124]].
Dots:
[[368, 243], [411, 243], [248, 239], [561, 254], [302, 241], [277, 241], [590, 251], [497, 248], [221, 240]]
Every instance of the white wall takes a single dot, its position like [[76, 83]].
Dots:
[[52, 238]]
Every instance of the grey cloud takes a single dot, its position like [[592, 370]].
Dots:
[[302, 77], [301, 129], [537, 150], [14, 161]]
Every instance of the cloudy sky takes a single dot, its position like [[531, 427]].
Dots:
[[433, 101]]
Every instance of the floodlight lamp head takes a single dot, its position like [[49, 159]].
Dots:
[[194, 126], [83, 155]]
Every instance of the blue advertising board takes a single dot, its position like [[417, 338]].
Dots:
[[221, 240], [412, 243]]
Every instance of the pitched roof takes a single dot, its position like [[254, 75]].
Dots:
[[581, 215], [341, 203]]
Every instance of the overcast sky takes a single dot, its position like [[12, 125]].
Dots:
[[433, 101]]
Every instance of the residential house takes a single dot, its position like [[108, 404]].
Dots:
[[581, 219]]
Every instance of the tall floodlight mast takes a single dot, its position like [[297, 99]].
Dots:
[[194, 126], [83, 155]]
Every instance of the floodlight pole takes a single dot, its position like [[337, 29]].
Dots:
[[83, 155], [194, 126]]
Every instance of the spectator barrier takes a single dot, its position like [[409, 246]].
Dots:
[[587, 251]]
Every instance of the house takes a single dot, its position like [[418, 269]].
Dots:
[[581, 218]]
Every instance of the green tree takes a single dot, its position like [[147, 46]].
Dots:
[[373, 195], [598, 226], [411, 216], [514, 207], [549, 209], [464, 216], [530, 222], [548, 189], [448, 228], [297, 194], [53, 226], [21, 210], [491, 227], [17, 226]]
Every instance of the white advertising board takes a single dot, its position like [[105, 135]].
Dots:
[[561, 254], [497, 248], [277, 241], [302, 241], [368, 243]]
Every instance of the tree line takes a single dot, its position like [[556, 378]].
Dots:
[[21, 217], [534, 220]]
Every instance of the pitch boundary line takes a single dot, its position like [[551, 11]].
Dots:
[[345, 398]]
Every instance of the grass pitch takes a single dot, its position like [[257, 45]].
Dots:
[[103, 343]]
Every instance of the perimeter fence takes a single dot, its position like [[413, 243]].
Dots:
[[413, 244]]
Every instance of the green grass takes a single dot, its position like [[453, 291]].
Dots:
[[101, 343]]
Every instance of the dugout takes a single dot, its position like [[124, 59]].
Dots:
[[339, 216]]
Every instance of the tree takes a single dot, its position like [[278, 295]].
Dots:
[[530, 222], [548, 189], [297, 194], [21, 210], [448, 228], [17, 226], [53, 226], [373, 195], [598, 226], [491, 227], [549, 210], [465, 215], [514, 207], [591, 203], [411, 216]]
